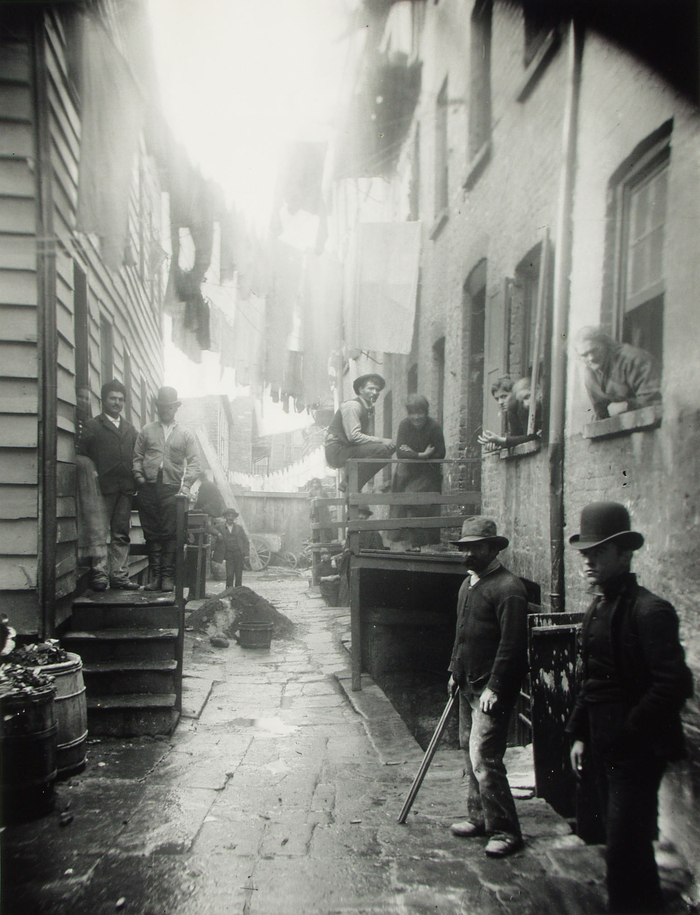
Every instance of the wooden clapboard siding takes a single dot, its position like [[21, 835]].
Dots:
[[18, 360], [18, 573], [18, 502], [18, 429], [17, 465], [18, 538], [17, 215], [17, 287], [16, 180], [18, 396], [18, 325], [17, 252]]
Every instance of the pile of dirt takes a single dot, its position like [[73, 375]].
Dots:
[[225, 613]]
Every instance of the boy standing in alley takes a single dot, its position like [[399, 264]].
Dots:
[[231, 547]]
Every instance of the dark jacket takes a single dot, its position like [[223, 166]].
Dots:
[[491, 640], [112, 452], [650, 662], [228, 542], [429, 473]]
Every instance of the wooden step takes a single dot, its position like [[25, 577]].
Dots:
[[132, 715], [125, 599], [107, 678], [101, 645], [91, 616]]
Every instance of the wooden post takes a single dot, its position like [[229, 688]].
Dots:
[[181, 502]]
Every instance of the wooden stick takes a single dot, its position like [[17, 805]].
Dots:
[[428, 758]]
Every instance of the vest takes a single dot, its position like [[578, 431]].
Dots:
[[336, 429]]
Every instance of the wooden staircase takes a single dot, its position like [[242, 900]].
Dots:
[[132, 646], [129, 643]]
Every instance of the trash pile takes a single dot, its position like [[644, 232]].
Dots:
[[18, 680], [223, 615], [37, 655]]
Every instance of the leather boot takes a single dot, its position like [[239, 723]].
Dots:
[[168, 566], [154, 567]]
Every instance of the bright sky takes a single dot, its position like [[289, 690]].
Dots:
[[238, 80]]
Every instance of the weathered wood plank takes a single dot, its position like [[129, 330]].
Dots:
[[18, 430], [16, 178], [65, 447], [416, 498], [18, 287], [18, 502], [66, 507], [17, 573], [18, 325], [17, 215], [64, 423], [18, 396], [18, 360], [18, 538], [17, 466], [16, 139], [17, 252], [67, 532], [15, 102], [65, 584], [65, 479], [15, 62], [395, 524]]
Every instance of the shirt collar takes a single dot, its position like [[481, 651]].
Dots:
[[115, 422], [476, 577]]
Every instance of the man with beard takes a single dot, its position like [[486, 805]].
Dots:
[[489, 660]]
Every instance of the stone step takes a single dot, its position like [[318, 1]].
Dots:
[[132, 715], [113, 677], [102, 645], [125, 599], [91, 616]]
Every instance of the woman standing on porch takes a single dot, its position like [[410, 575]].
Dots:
[[419, 439]]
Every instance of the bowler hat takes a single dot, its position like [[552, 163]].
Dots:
[[477, 528], [167, 397], [365, 510], [362, 380], [230, 511], [604, 521]]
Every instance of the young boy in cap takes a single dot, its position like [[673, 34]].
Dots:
[[489, 660], [626, 722], [349, 433], [231, 547], [165, 464]]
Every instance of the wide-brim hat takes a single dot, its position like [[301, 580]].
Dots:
[[167, 397], [230, 511], [362, 380], [363, 510], [477, 529], [602, 522]]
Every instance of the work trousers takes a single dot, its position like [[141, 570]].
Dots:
[[234, 569], [628, 778], [484, 739], [157, 504], [337, 455], [113, 563]]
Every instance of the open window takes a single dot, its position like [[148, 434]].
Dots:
[[479, 90]]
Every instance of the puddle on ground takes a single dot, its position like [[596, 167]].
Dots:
[[272, 725]]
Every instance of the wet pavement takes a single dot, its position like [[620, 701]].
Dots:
[[279, 793]]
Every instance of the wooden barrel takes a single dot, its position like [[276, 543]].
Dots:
[[28, 736], [71, 713]]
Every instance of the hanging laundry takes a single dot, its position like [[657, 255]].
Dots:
[[381, 288], [322, 295]]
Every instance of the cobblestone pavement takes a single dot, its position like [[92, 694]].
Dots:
[[279, 794]]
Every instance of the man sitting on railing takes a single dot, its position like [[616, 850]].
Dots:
[[349, 431]]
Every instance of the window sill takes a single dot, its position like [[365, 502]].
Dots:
[[439, 223], [477, 165], [538, 65], [625, 423], [521, 450]]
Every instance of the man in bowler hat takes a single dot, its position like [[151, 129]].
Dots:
[[165, 464], [350, 431], [489, 660], [231, 547], [626, 722]]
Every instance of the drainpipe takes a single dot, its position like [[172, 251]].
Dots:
[[562, 290], [47, 342]]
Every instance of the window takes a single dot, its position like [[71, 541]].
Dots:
[[106, 350], [441, 169], [641, 282], [480, 77]]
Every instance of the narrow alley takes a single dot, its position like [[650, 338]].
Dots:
[[279, 793]]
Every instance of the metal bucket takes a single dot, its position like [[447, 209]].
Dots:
[[28, 734], [71, 713], [255, 635]]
